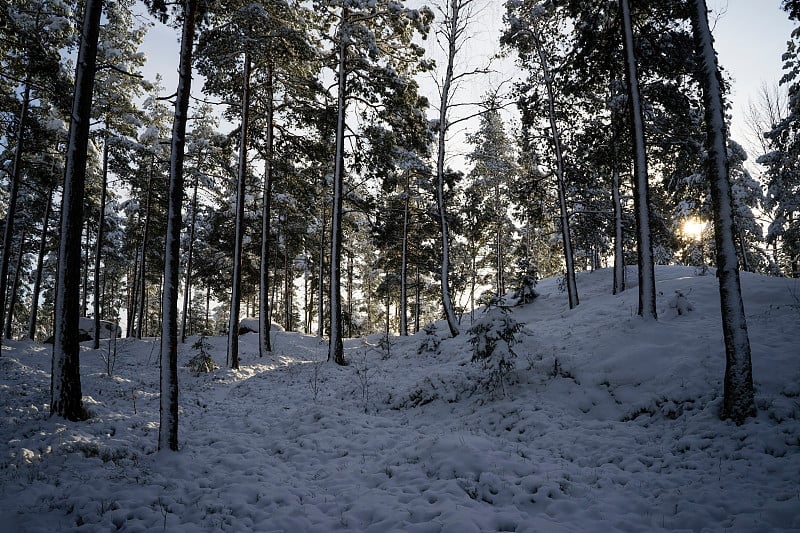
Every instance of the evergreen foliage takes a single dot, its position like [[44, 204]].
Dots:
[[492, 337]]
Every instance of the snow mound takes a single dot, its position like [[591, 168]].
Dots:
[[607, 423]]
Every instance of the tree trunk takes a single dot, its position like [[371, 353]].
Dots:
[[447, 301], [321, 275], [133, 287], [11, 212], [738, 403], [743, 250], [569, 256], [350, 274], [37, 283], [168, 409], [187, 285], [264, 321], [233, 328], [335, 345], [12, 300], [85, 292], [417, 301], [99, 244], [65, 386], [619, 253], [641, 193], [404, 261], [143, 261], [287, 275]]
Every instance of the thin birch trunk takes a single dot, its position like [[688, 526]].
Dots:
[[453, 30], [569, 256]]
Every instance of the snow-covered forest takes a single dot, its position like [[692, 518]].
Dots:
[[339, 281]]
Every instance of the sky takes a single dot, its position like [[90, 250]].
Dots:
[[750, 38]]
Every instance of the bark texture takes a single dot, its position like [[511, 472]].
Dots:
[[738, 402], [65, 387]]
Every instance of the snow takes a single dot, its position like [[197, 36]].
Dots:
[[608, 423]]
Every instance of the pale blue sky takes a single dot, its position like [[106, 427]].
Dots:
[[750, 38]]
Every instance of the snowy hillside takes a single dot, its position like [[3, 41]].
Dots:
[[608, 424]]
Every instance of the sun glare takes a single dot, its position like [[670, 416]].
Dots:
[[693, 228]]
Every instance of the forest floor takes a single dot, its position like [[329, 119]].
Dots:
[[608, 423]]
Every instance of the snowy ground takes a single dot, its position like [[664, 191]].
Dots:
[[621, 434]]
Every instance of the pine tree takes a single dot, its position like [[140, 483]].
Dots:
[[35, 32], [371, 41], [168, 421], [494, 170], [783, 177], [118, 82], [66, 396], [738, 401]]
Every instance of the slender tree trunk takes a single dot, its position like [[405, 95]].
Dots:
[[335, 346], [350, 294], [85, 283], [143, 260], [321, 275], [619, 254], [418, 303], [641, 192], [11, 212], [99, 244], [404, 261], [133, 288], [453, 30], [208, 308], [743, 249], [187, 285], [738, 402], [233, 328], [37, 283], [287, 282], [168, 409], [65, 386], [12, 300], [388, 304], [264, 322], [569, 256]]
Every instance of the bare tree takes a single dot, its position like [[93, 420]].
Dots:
[[769, 109], [453, 34], [572, 287]]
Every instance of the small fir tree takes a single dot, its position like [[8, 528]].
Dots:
[[492, 338]]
